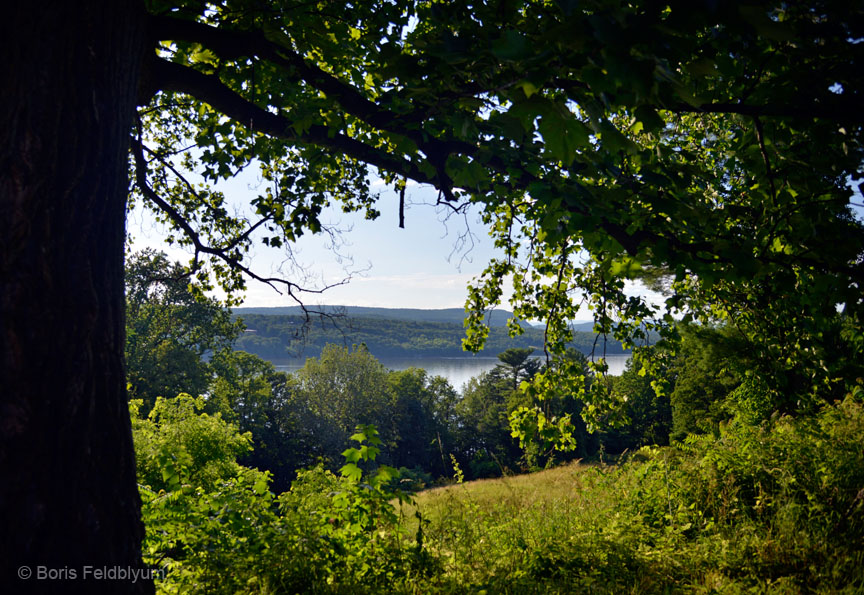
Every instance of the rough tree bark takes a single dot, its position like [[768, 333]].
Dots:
[[68, 496]]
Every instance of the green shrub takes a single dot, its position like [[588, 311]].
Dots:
[[178, 444], [226, 532]]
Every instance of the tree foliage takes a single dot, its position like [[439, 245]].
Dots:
[[718, 146], [205, 513], [177, 443], [648, 411], [170, 327], [687, 152]]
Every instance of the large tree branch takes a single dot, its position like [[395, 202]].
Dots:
[[208, 88], [232, 45], [169, 76], [222, 253]]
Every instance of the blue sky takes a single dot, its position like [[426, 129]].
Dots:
[[426, 265]]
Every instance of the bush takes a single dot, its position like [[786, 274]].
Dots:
[[225, 532]]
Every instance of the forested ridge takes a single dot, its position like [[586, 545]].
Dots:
[[279, 337], [497, 317]]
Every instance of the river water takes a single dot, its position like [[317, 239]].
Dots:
[[458, 370]]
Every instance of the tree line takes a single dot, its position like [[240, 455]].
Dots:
[[497, 317], [281, 337]]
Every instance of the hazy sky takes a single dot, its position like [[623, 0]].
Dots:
[[426, 265]]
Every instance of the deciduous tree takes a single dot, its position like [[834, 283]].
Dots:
[[170, 329], [68, 493], [713, 140]]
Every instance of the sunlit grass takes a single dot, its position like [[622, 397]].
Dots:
[[539, 532], [560, 486], [747, 514]]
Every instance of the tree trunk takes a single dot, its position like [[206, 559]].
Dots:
[[69, 504]]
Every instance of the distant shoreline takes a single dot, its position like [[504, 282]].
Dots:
[[276, 336]]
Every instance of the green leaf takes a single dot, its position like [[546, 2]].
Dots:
[[385, 474], [511, 46], [352, 472], [702, 68], [204, 56], [352, 455], [625, 267], [563, 135], [260, 486], [528, 88]]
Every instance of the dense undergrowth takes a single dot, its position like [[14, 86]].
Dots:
[[777, 507]]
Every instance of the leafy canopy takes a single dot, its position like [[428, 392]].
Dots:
[[711, 144]]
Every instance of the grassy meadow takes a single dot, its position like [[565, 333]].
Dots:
[[758, 511]]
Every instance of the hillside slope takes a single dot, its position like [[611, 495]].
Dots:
[[275, 337], [448, 315]]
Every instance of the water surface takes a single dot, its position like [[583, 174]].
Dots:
[[458, 370]]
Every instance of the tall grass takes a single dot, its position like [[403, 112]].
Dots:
[[776, 508]]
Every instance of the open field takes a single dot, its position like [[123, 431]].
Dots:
[[704, 518]]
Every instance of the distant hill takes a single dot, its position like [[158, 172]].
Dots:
[[448, 315], [279, 336], [496, 318]]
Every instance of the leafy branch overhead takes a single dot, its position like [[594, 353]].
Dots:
[[712, 145]]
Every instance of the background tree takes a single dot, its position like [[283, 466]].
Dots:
[[342, 389], [248, 391], [180, 341], [281, 441], [170, 327], [241, 387], [487, 449], [423, 409], [648, 411], [548, 422], [518, 365], [709, 365]]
